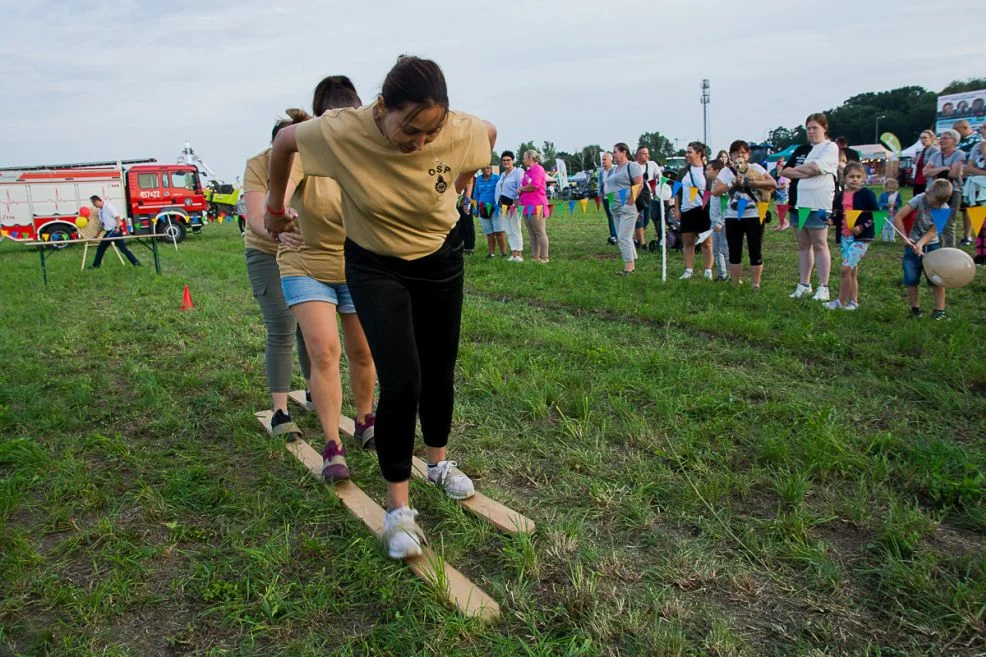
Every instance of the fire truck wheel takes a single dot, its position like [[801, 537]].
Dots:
[[58, 234], [171, 231]]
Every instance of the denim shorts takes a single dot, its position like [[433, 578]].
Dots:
[[812, 222], [301, 289], [493, 225], [912, 265]]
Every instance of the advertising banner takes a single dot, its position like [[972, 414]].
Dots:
[[970, 105]]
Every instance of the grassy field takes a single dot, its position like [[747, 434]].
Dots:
[[713, 471]]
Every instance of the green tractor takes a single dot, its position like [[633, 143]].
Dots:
[[221, 198]]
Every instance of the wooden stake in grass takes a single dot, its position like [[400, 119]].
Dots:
[[452, 585]]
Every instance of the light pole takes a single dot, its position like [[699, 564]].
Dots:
[[876, 131], [705, 111]]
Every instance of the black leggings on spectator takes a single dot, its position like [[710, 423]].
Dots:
[[411, 311], [753, 230]]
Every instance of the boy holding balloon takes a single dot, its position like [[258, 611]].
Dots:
[[922, 239]]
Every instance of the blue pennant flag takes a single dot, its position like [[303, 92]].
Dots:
[[940, 217], [822, 214], [623, 196], [741, 206], [675, 187], [571, 207]]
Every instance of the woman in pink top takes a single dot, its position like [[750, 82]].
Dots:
[[534, 205]]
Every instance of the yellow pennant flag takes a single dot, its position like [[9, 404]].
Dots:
[[692, 193], [503, 209], [539, 210], [585, 204], [976, 216], [634, 190], [762, 210], [852, 216]]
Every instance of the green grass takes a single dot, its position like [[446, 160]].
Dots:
[[712, 471]]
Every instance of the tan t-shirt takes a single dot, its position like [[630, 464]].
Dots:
[[318, 201], [255, 180], [393, 203]]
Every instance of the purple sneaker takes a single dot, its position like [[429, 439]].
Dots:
[[364, 432], [334, 466]]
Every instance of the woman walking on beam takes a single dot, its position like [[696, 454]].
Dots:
[[400, 163]]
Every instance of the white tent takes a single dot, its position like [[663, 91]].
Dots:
[[913, 150]]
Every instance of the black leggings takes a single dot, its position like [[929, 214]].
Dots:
[[411, 311], [753, 230]]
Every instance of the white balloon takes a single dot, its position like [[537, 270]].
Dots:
[[666, 192]]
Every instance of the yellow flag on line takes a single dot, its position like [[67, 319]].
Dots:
[[977, 215], [852, 216], [634, 190], [585, 204], [503, 209], [692, 193], [539, 210], [761, 210], [473, 202]]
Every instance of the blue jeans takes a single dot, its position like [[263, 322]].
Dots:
[[609, 218], [120, 244]]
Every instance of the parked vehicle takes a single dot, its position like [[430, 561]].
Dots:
[[43, 202]]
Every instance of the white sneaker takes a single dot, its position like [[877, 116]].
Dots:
[[850, 305], [402, 538], [801, 291], [686, 275], [833, 305], [515, 259], [822, 293], [708, 274], [457, 485]]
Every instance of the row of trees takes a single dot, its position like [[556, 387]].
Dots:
[[905, 112]]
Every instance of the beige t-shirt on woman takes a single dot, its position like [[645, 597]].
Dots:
[[393, 203], [255, 180], [318, 201]]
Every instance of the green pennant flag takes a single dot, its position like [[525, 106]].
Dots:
[[723, 203], [611, 198], [803, 217], [879, 218]]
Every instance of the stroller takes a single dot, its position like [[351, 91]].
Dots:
[[672, 232]]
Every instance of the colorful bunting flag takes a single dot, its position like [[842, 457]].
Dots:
[[741, 206], [571, 207], [653, 186], [782, 211], [879, 218], [940, 217], [822, 214], [706, 195], [803, 217], [598, 199], [851, 217], [675, 187], [623, 196], [692, 193], [723, 203], [503, 209], [611, 198], [977, 215], [585, 204], [762, 210], [635, 190]]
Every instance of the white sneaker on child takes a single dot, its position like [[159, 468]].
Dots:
[[822, 293], [832, 305], [708, 274]]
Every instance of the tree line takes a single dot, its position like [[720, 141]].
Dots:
[[905, 112]]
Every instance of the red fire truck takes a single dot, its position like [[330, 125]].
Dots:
[[43, 202]]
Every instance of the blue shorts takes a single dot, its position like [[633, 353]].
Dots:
[[812, 222], [492, 225], [643, 218], [853, 250], [912, 265], [301, 289]]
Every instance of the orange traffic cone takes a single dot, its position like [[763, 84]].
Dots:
[[186, 300]]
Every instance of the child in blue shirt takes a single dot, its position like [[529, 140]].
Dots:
[[889, 201]]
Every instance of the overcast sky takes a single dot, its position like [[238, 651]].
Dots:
[[85, 81]]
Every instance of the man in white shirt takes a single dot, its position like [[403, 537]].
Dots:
[[651, 171], [110, 219]]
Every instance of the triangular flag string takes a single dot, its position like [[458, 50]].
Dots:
[[597, 199], [585, 204], [879, 218], [803, 217], [675, 187], [692, 193], [852, 216], [635, 190], [623, 196], [723, 203], [940, 217], [741, 206], [762, 210], [977, 216], [706, 195], [571, 207]]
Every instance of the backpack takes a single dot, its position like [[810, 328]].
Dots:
[[643, 198]]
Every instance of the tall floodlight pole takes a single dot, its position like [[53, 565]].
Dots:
[[705, 111]]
